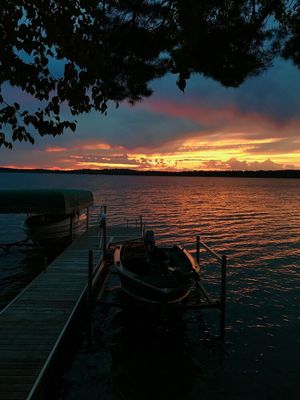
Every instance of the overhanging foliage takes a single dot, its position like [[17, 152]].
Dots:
[[110, 50]]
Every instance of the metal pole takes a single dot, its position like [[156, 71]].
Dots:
[[141, 224], [90, 297], [223, 297], [104, 231], [71, 227], [90, 278], [142, 230], [198, 249], [87, 218]]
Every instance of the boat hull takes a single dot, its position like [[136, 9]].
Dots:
[[162, 276], [151, 294], [47, 228]]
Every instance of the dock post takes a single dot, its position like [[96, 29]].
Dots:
[[141, 224], [198, 249], [90, 297], [90, 278], [223, 297], [87, 218], [104, 231], [71, 227]]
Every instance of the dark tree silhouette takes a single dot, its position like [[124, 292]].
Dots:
[[109, 51]]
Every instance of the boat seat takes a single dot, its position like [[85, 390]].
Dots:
[[136, 264]]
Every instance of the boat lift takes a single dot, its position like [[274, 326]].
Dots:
[[98, 278], [56, 202]]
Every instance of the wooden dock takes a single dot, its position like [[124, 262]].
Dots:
[[33, 325]]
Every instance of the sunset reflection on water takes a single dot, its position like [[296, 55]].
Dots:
[[256, 223]]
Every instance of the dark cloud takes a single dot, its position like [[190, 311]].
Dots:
[[274, 93], [133, 127], [264, 107]]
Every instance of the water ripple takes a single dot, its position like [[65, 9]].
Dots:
[[255, 222]]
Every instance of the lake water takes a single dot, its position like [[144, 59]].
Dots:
[[256, 223]]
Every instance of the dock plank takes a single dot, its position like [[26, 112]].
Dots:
[[35, 321]]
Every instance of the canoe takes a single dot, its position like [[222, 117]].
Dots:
[[155, 274]]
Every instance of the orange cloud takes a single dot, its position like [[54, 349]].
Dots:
[[55, 149], [18, 166], [227, 138], [226, 120], [93, 146], [93, 164], [87, 145]]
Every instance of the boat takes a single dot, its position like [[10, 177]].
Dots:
[[155, 274], [46, 228], [54, 214]]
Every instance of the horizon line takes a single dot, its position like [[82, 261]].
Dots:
[[152, 172]]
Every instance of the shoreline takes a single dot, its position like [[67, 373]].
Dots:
[[283, 174]]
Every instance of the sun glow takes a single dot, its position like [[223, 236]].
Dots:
[[99, 165], [223, 139], [203, 154]]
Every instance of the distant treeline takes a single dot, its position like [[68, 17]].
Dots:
[[293, 173]]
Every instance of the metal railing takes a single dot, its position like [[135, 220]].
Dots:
[[223, 262], [136, 222], [98, 218]]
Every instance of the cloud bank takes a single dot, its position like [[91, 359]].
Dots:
[[255, 126]]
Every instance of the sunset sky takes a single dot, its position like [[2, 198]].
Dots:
[[208, 127]]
